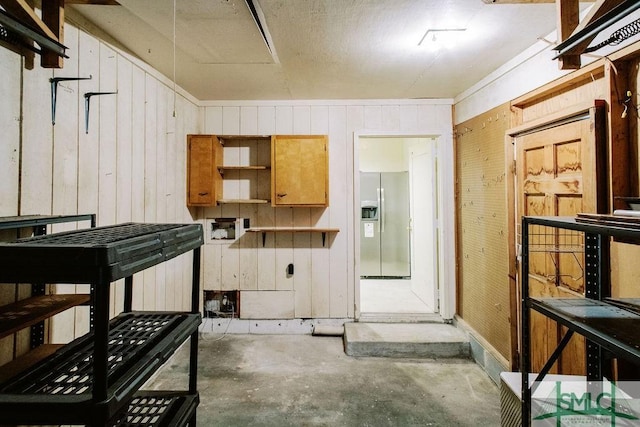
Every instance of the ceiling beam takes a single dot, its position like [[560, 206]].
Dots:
[[98, 2], [603, 14], [20, 18], [525, 1], [21, 10], [571, 61], [568, 20], [53, 17], [517, 1]]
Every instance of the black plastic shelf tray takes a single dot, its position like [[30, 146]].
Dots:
[[614, 328], [59, 389], [9, 222], [158, 409], [95, 255]]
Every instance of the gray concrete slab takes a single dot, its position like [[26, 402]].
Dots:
[[301, 380], [405, 340]]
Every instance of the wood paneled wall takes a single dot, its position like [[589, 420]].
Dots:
[[481, 209], [322, 285], [129, 167]]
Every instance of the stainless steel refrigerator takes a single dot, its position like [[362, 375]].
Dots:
[[384, 224]]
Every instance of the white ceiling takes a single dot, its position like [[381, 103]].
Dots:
[[323, 49]]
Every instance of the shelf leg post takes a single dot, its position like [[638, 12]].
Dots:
[[128, 294], [324, 238], [101, 345], [597, 286], [264, 238], [195, 308], [525, 360], [37, 289]]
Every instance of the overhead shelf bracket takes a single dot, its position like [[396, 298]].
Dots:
[[12, 25], [586, 34]]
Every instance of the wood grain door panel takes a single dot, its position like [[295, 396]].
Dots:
[[557, 175], [204, 183], [299, 171]]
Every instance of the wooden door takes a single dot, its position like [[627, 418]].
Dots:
[[204, 182], [300, 171], [559, 175]]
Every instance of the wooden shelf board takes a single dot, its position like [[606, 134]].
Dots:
[[243, 168], [26, 361], [265, 230], [29, 311], [223, 138], [292, 230], [243, 201]]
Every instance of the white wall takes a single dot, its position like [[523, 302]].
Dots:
[[323, 285], [529, 70], [130, 166], [383, 155]]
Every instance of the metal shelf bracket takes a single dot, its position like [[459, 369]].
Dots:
[[54, 92], [87, 102]]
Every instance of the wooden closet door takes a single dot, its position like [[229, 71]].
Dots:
[[558, 176]]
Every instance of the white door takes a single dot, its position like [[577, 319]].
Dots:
[[424, 254]]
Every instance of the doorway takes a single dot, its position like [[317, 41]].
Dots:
[[397, 214]]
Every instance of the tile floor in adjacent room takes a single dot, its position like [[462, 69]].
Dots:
[[302, 380], [390, 296]]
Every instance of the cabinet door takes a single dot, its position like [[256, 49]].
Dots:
[[299, 171], [204, 182]]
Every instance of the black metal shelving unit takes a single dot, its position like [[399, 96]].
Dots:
[[38, 224], [95, 379], [609, 325]]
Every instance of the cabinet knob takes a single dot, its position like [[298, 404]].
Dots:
[[281, 194], [203, 194]]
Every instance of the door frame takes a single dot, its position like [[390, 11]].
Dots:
[[445, 213]]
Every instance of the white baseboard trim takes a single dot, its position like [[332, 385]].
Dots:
[[220, 325]]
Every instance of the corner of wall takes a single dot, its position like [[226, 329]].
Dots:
[[483, 353]]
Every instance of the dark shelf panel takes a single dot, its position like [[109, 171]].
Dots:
[[96, 255], [23, 363], [59, 388], [29, 311], [603, 228], [631, 304], [158, 409], [613, 328], [9, 222]]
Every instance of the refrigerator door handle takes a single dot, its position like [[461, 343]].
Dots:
[[379, 209], [383, 214]]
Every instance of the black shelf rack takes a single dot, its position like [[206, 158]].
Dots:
[[39, 223], [95, 379], [609, 325]]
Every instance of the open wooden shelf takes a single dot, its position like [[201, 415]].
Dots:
[[29, 311], [245, 201], [243, 168], [26, 361], [265, 230]]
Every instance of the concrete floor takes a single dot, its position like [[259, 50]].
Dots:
[[301, 380]]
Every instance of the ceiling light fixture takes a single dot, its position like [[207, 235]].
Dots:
[[436, 32]]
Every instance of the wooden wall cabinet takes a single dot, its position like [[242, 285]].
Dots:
[[204, 182], [299, 171]]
